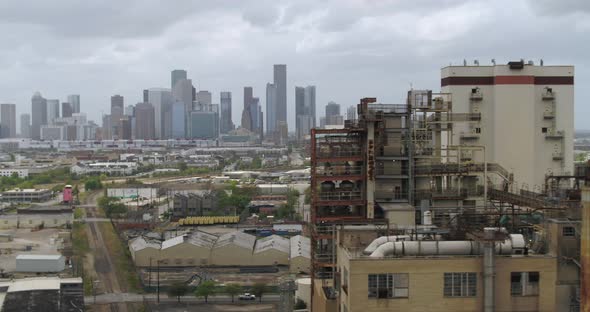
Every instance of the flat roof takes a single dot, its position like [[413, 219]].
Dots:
[[38, 257], [37, 283]]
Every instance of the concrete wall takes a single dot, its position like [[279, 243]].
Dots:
[[231, 255]]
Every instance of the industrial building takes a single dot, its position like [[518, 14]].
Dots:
[[454, 221], [26, 195], [40, 263], [194, 204], [230, 249], [50, 293]]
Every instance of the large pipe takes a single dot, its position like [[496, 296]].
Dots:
[[488, 273], [585, 252], [395, 238], [430, 248]]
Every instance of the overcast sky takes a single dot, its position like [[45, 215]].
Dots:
[[349, 49]]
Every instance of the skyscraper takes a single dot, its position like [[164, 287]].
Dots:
[[25, 125], [39, 115], [52, 110], [177, 75], [305, 112], [117, 109], [178, 120], [161, 100], [144, 121], [226, 123], [351, 113], [247, 120], [183, 92], [203, 99], [280, 84], [205, 125], [271, 94], [7, 120], [74, 100], [332, 109], [66, 109]]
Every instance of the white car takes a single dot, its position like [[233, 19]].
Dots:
[[247, 296]]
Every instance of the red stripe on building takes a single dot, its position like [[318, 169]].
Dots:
[[491, 80], [503, 80]]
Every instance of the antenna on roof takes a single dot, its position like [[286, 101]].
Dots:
[[476, 62], [464, 62], [494, 62], [541, 62]]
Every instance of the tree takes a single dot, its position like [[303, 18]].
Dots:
[[205, 289], [232, 290], [177, 290], [93, 184], [259, 289], [111, 206]]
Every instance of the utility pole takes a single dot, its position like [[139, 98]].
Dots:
[[150, 274], [158, 278]]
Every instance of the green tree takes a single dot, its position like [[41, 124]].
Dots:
[[259, 289], [232, 290], [177, 290], [182, 166], [205, 289], [111, 206], [307, 196], [93, 183]]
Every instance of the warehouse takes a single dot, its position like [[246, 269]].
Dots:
[[187, 250], [300, 256], [143, 250], [40, 263], [233, 249], [42, 293], [271, 250]]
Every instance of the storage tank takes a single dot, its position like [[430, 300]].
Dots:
[[303, 291], [327, 186], [427, 218], [346, 186]]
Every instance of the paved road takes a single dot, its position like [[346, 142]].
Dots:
[[130, 297]]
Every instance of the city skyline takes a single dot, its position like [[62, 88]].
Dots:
[[319, 46]]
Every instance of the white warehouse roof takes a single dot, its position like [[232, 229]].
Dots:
[[272, 242], [300, 247], [239, 239]]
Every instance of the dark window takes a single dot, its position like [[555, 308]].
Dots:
[[544, 130], [477, 130], [569, 231], [384, 286], [524, 283]]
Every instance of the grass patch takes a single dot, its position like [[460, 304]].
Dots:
[[79, 213], [79, 239], [124, 267]]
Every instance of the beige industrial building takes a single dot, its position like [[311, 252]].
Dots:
[[230, 249], [527, 116], [271, 249], [299, 256]]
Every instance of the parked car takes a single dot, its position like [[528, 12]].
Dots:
[[247, 296]]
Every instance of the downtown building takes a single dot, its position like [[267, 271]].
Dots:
[[305, 111], [7, 120], [38, 115], [276, 98], [225, 124]]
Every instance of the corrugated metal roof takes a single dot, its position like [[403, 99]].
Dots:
[[37, 283], [140, 243], [203, 239], [300, 247], [237, 238], [272, 242], [173, 241], [38, 257]]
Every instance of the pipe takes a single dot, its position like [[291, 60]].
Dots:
[[429, 248], [395, 238], [488, 274]]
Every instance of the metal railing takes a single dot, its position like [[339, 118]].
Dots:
[[338, 170], [341, 195]]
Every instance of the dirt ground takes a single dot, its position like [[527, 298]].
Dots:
[[41, 242]]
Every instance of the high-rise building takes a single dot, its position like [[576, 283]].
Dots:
[[521, 105], [178, 120], [280, 84], [332, 109], [351, 113], [25, 125], [305, 112], [203, 99], [226, 124], [271, 94], [126, 131], [247, 120], [183, 92], [66, 109], [161, 100], [38, 114], [177, 75], [117, 105], [7, 120], [205, 125], [130, 110], [74, 100], [107, 127], [144, 121], [52, 110]]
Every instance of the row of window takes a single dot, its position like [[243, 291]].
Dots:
[[461, 284]]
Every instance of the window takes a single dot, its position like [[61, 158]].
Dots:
[[544, 129], [524, 283], [477, 130], [460, 284], [392, 285], [569, 231]]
